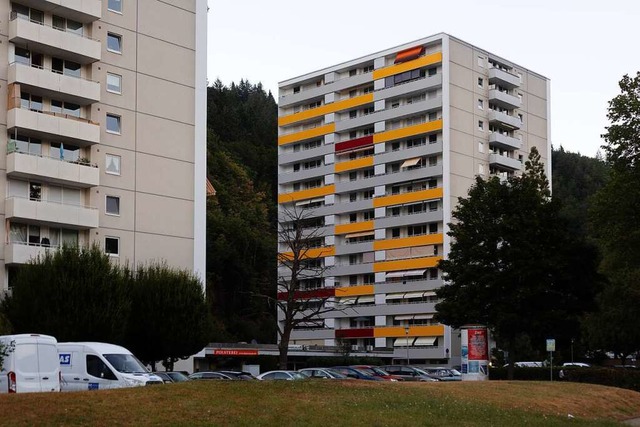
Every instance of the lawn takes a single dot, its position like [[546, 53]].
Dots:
[[330, 403]]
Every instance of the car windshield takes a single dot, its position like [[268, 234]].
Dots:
[[362, 372], [455, 372], [337, 374], [379, 371], [420, 371], [177, 376], [367, 371], [126, 363]]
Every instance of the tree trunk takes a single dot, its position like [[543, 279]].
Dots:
[[283, 349], [512, 358]]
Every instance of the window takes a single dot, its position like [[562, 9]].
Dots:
[[296, 89], [23, 12], [68, 68], [367, 69], [433, 161], [480, 82], [433, 138], [98, 369], [35, 191], [480, 147], [480, 61], [30, 102], [480, 104], [481, 169], [68, 108], [28, 145], [480, 125], [115, 6], [353, 72], [113, 205], [114, 43], [353, 114], [66, 152], [114, 83], [112, 246], [368, 215], [395, 233], [432, 71], [113, 123], [433, 228], [69, 25], [353, 217]]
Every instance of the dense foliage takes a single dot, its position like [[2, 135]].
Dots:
[[169, 318], [241, 231], [615, 221], [77, 294], [514, 265]]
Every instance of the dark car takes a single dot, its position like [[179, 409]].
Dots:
[[210, 376], [172, 377], [240, 375], [324, 373], [443, 374], [408, 373], [356, 373], [377, 372]]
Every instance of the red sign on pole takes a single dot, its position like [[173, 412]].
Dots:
[[478, 346], [235, 352]]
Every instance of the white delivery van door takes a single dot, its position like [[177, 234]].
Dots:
[[25, 355], [48, 364], [99, 375]]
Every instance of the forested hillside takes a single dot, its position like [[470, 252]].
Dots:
[[241, 245]]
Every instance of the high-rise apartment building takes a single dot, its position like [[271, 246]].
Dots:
[[103, 118], [379, 149]]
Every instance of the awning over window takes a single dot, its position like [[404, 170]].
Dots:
[[410, 162], [402, 342], [430, 294], [425, 341], [423, 316], [413, 295], [408, 54], [309, 201], [414, 272], [394, 296], [403, 317], [363, 234], [347, 301], [366, 299], [406, 273], [395, 274]]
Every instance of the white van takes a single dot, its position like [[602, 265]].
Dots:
[[31, 364], [95, 366]]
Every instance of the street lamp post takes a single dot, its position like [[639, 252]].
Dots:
[[571, 350], [406, 333]]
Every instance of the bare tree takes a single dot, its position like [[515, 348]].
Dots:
[[302, 298]]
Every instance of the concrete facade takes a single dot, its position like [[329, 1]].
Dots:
[[379, 149], [103, 117]]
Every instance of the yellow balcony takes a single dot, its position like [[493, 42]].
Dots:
[[306, 134], [414, 331], [407, 131], [354, 291], [354, 164], [423, 61], [407, 264], [427, 239], [326, 109], [414, 196], [306, 194], [355, 227]]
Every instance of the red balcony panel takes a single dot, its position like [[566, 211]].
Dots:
[[409, 54], [354, 143], [354, 333], [313, 293]]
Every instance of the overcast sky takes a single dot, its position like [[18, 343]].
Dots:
[[583, 46]]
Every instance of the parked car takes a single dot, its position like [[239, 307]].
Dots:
[[210, 376], [527, 365], [31, 364], [576, 365], [281, 375], [408, 373], [443, 374], [172, 377], [355, 373], [377, 372], [239, 375], [325, 373]]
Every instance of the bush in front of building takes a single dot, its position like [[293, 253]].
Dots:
[[525, 374]]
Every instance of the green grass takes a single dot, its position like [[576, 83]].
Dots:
[[329, 403]]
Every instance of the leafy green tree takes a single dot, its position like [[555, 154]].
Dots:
[[513, 264], [72, 294], [169, 317], [615, 224]]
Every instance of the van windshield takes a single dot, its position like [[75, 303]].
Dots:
[[126, 363]]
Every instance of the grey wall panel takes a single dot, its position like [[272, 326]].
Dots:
[[406, 89], [313, 334], [285, 178], [410, 175], [347, 270], [402, 220], [296, 156], [360, 205], [409, 286], [395, 113], [354, 248], [394, 156], [336, 86]]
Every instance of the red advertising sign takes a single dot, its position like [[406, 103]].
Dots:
[[478, 346], [235, 352]]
